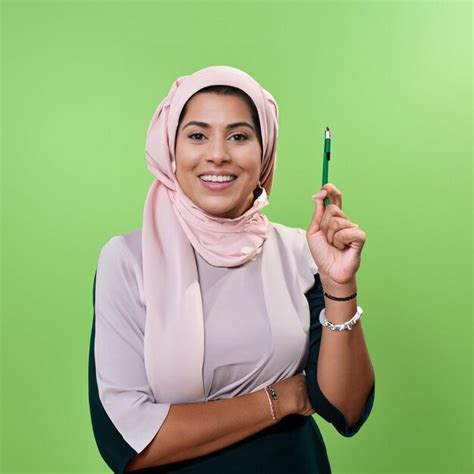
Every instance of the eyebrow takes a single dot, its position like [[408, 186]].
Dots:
[[230, 125]]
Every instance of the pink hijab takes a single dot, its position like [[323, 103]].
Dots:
[[173, 226]]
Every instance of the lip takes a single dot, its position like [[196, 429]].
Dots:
[[217, 186], [218, 173]]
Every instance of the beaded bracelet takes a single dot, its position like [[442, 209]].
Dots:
[[271, 393]]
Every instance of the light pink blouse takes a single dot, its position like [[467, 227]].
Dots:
[[239, 354]]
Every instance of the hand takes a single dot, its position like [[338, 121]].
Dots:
[[293, 397], [334, 241]]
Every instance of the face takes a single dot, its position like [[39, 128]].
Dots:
[[218, 160]]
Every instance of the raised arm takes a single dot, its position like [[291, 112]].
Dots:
[[324, 403]]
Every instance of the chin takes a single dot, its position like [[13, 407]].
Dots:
[[217, 212], [216, 209]]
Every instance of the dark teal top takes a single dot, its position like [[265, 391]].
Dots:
[[292, 445]]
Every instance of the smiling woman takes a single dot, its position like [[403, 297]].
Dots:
[[219, 151], [205, 346]]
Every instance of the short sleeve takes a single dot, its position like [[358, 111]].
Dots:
[[125, 416], [307, 267], [320, 403]]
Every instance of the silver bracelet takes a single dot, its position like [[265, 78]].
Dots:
[[340, 327]]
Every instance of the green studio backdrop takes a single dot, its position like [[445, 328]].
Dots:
[[80, 82]]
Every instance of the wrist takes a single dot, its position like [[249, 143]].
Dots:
[[339, 311], [284, 404], [272, 406], [339, 290]]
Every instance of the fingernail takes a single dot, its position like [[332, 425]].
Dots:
[[318, 195]]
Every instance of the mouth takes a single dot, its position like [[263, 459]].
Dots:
[[217, 182]]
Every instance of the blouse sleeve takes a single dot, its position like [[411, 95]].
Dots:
[[320, 403], [125, 416]]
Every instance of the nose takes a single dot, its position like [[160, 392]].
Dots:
[[217, 151]]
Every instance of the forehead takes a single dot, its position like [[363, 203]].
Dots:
[[217, 106]]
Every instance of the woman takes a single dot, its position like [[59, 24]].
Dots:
[[211, 302]]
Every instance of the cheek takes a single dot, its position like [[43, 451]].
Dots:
[[253, 166], [251, 159], [186, 159]]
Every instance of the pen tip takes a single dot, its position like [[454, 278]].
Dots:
[[328, 133]]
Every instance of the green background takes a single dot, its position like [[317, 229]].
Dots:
[[393, 81]]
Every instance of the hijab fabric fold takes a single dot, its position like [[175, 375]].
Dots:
[[174, 228]]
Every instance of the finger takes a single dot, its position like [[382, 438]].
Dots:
[[336, 224], [330, 213], [318, 211], [350, 237], [334, 194], [338, 244]]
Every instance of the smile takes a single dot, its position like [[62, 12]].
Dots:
[[217, 178], [217, 182]]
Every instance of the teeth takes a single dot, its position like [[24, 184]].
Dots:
[[217, 179]]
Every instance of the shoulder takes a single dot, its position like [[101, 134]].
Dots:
[[122, 248], [293, 236], [120, 260], [294, 240], [119, 267]]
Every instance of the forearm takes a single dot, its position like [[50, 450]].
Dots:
[[195, 429], [345, 374]]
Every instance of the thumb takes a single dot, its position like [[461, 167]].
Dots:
[[318, 212]]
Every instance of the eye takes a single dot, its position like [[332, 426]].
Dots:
[[194, 134], [240, 135]]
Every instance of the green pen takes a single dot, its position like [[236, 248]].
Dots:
[[326, 158]]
